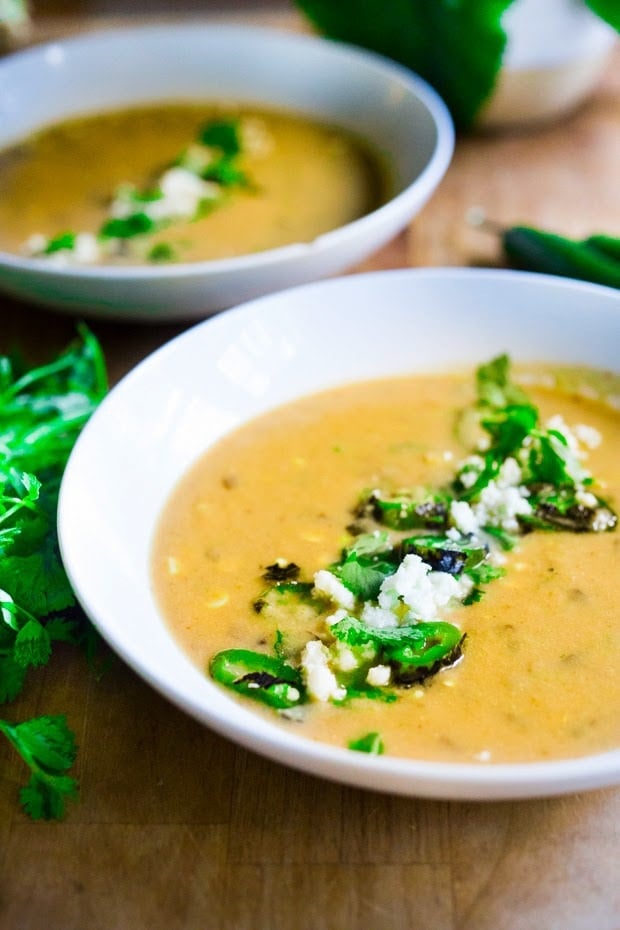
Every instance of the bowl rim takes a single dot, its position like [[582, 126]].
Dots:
[[442, 780], [424, 182]]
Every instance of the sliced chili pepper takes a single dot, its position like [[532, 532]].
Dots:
[[259, 676], [426, 644], [443, 554]]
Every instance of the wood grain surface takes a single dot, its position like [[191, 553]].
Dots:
[[177, 828]]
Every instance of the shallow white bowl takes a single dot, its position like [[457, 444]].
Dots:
[[185, 396], [388, 105]]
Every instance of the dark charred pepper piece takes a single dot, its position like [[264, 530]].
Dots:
[[282, 571], [539, 250]]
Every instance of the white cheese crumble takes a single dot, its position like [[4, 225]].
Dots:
[[85, 251], [321, 683], [344, 658], [463, 517], [558, 424], [422, 590], [256, 138], [603, 520], [500, 506], [586, 498], [378, 617], [326, 583], [336, 617], [470, 469], [182, 192], [588, 435], [379, 676]]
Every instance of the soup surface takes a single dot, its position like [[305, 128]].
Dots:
[[534, 676], [266, 179]]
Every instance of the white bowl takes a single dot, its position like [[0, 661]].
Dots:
[[386, 104], [236, 365]]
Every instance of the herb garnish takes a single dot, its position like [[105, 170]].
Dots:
[[370, 743], [42, 411], [380, 610], [197, 181]]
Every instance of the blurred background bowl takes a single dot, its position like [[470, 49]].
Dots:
[[396, 112]]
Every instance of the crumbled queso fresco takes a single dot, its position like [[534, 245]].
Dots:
[[388, 613], [180, 194], [415, 592]]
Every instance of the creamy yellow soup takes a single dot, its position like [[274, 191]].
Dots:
[[538, 677], [303, 179]]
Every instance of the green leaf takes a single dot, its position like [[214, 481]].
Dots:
[[45, 798], [137, 224], [223, 135], [456, 45], [64, 241], [47, 742], [162, 252], [609, 10], [364, 577], [12, 678], [509, 427], [225, 172], [47, 746], [38, 582], [33, 645], [370, 743], [494, 385]]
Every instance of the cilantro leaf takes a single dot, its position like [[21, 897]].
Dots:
[[370, 743], [136, 224], [12, 678], [223, 135], [38, 582], [42, 411], [44, 798], [64, 241], [162, 252], [364, 576], [457, 47], [494, 385], [33, 645], [47, 746]]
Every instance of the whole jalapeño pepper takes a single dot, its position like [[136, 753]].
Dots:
[[595, 259]]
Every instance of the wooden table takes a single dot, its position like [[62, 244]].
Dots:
[[178, 828]]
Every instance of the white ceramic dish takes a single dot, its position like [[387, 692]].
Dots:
[[386, 104], [176, 403]]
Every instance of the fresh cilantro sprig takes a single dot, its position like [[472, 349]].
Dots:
[[42, 411], [135, 215], [47, 746]]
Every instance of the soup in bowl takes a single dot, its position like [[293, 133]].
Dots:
[[223, 162], [380, 513]]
